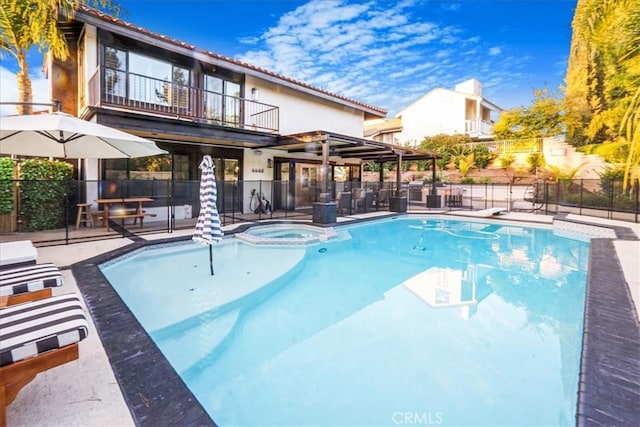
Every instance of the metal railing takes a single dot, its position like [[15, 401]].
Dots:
[[605, 198], [115, 88], [478, 127], [47, 212]]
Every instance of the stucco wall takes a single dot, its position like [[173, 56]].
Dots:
[[300, 112], [439, 111]]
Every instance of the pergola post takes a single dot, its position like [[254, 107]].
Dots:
[[325, 211], [433, 200], [398, 202]]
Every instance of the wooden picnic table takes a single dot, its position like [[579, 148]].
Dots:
[[137, 213]]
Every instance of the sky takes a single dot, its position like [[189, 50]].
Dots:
[[384, 53]]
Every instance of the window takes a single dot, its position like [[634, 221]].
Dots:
[[145, 79], [115, 74], [181, 167], [155, 167], [213, 98], [222, 100], [232, 102]]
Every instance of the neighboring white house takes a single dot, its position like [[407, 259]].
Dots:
[[440, 111]]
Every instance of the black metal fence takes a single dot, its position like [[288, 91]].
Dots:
[[53, 211]]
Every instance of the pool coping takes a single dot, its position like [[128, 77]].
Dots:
[[608, 389], [609, 379], [153, 391]]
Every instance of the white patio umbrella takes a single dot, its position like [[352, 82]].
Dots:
[[208, 230], [64, 136]]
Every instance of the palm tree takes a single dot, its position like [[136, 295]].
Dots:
[[29, 23]]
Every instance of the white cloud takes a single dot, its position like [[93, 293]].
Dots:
[[9, 90], [452, 6], [375, 51]]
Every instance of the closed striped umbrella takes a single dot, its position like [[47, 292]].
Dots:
[[208, 230]]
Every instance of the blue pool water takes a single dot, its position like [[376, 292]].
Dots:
[[403, 321]]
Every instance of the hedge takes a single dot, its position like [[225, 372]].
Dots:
[[43, 190]]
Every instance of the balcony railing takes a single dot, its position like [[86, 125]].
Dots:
[[478, 127], [110, 87]]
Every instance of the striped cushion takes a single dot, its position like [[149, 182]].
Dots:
[[32, 328], [29, 278]]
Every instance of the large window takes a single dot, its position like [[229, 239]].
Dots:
[[181, 167], [155, 167], [145, 80], [115, 74], [222, 100]]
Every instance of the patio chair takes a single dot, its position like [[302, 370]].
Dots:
[[343, 200], [35, 337], [358, 199], [383, 197], [28, 283]]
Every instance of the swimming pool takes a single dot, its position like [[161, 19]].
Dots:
[[407, 319]]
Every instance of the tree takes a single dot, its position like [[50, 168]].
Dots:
[[600, 79], [542, 119], [34, 23]]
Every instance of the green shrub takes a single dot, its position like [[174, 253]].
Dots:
[[43, 190], [535, 160], [7, 196], [467, 180], [483, 156], [506, 160]]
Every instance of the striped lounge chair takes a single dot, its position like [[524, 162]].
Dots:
[[28, 283], [34, 337]]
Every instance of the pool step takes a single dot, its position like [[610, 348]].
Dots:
[[186, 347]]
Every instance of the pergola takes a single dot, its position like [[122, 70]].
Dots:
[[326, 145]]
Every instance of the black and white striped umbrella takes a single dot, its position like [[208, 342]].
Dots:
[[208, 230]]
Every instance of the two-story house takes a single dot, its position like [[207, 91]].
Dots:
[[257, 125], [441, 111]]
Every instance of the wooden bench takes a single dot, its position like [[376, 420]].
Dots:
[[128, 214]]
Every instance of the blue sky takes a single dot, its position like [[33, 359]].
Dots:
[[385, 53]]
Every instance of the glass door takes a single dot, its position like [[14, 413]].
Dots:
[[306, 184], [284, 174]]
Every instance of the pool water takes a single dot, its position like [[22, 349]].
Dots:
[[403, 321]]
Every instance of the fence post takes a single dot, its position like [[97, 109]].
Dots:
[[486, 192], [636, 189], [546, 197], [610, 211], [581, 190], [170, 208], [66, 212]]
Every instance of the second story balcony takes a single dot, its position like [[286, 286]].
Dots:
[[113, 88], [478, 128]]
